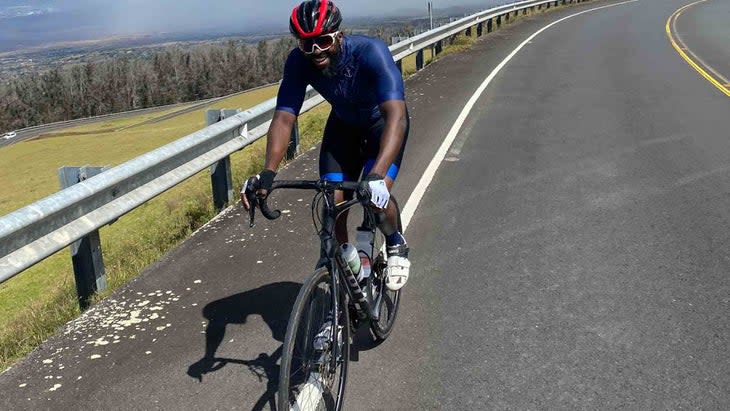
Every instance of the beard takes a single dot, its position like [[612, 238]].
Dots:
[[331, 70]]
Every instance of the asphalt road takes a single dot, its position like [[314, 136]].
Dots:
[[571, 252], [704, 30]]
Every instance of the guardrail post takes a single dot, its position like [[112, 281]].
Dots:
[[468, 31], [439, 47], [222, 183], [220, 172], [86, 255], [480, 29], [524, 11], [489, 26], [399, 64], [506, 18], [419, 60], [293, 148], [499, 21]]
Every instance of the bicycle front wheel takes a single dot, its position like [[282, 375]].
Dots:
[[314, 361]]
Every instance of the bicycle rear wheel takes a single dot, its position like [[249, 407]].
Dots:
[[388, 311], [307, 378]]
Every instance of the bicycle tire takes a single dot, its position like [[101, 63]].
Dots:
[[301, 389], [389, 307], [391, 299]]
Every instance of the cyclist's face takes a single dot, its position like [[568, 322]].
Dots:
[[321, 59]]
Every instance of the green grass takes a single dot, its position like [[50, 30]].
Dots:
[[28, 170], [34, 303]]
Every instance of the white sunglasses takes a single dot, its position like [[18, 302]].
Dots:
[[323, 43]]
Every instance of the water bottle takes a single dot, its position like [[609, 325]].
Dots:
[[364, 241], [349, 253]]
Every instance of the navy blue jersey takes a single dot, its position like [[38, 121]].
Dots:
[[365, 76]]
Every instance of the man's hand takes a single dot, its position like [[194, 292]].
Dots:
[[259, 184], [379, 194]]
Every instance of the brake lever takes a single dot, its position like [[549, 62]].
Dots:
[[363, 192], [252, 201]]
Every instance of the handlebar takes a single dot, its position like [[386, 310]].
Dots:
[[362, 191]]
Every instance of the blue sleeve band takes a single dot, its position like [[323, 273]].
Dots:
[[390, 95], [288, 110]]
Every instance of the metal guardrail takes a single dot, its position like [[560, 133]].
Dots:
[[421, 41], [36, 231]]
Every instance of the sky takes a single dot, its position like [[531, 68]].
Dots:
[[166, 15], [30, 22]]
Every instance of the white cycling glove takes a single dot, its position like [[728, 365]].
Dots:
[[379, 194]]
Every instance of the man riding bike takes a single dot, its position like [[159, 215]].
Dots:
[[367, 129]]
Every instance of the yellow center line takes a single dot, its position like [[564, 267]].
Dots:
[[725, 88]]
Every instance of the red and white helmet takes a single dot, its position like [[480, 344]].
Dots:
[[313, 18]]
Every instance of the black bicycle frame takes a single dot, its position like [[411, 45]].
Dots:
[[330, 252]]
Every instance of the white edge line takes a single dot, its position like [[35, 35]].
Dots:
[[417, 194]]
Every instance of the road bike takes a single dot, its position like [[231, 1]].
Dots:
[[332, 304]]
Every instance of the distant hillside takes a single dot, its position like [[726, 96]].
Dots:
[[457, 10], [49, 22], [77, 79]]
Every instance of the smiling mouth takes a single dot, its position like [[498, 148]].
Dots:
[[320, 60]]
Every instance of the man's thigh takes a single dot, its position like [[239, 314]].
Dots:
[[340, 157]]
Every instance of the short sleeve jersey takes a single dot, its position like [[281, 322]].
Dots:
[[365, 77]]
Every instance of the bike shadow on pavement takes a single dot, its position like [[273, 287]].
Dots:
[[273, 302], [362, 340]]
